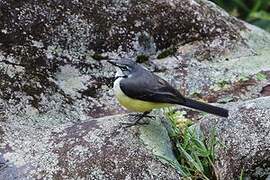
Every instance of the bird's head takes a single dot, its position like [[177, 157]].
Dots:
[[124, 67]]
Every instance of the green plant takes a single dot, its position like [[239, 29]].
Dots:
[[195, 153], [142, 58], [241, 177], [167, 52]]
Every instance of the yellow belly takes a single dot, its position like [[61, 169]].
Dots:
[[135, 104]]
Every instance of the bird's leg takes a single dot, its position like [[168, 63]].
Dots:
[[145, 114], [137, 118]]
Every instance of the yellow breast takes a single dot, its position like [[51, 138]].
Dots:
[[135, 104]]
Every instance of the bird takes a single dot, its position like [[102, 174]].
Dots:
[[139, 90]]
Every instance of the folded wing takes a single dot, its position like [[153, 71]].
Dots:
[[150, 87]]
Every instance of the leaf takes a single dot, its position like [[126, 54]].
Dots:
[[241, 177], [262, 15], [197, 159], [256, 6], [191, 161], [176, 166]]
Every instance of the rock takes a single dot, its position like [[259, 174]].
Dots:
[[239, 76], [266, 90], [48, 54], [95, 149], [245, 139], [102, 26]]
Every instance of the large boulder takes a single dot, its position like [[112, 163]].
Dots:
[[50, 61], [53, 70], [244, 138], [96, 149], [103, 25]]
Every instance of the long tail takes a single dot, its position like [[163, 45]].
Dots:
[[205, 107]]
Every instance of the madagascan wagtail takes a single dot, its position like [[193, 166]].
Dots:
[[139, 90]]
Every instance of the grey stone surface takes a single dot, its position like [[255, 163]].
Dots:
[[96, 149], [115, 25], [47, 64], [245, 139]]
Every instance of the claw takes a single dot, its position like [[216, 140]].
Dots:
[[137, 118], [126, 125]]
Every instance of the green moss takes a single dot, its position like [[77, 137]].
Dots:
[[166, 53], [142, 58], [196, 95], [243, 78], [261, 76], [99, 57], [223, 83]]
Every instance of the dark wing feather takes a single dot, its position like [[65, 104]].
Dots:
[[150, 87]]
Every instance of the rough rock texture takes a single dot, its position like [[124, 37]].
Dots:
[[53, 74], [227, 78], [96, 149], [47, 51], [105, 25], [246, 139]]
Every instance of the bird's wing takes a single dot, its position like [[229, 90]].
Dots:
[[149, 87]]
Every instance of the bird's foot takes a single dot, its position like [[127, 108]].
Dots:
[[134, 124], [141, 116], [136, 118]]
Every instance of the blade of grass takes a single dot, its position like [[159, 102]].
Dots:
[[241, 5], [241, 177], [256, 6], [191, 161]]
